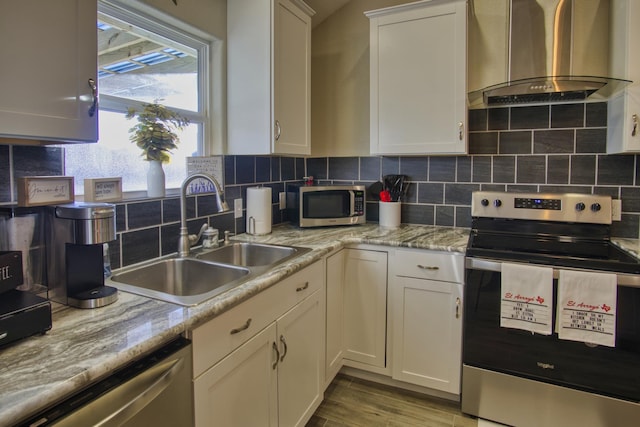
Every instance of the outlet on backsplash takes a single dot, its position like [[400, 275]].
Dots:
[[237, 208], [616, 210]]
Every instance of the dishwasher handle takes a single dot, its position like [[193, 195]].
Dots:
[[169, 370]]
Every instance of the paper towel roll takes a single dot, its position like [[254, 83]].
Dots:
[[258, 210]]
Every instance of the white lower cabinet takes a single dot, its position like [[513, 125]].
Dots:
[[276, 376], [242, 389], [335, 315], [365, 307], [301, 363], [425, 312]]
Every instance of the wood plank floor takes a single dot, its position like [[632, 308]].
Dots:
[[352, 401]]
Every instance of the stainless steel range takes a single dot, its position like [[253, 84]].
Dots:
[[537, 352]]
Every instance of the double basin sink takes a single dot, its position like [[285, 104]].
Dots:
[[205, 274]]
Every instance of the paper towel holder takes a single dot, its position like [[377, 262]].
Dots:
[[259, 215]]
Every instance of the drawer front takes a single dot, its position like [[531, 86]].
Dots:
[[223, 334], [423, 264]]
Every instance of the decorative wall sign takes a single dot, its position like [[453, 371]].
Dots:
[[103, 189], [45, 190], [211, 165]]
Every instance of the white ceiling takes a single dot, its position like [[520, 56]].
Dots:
[[324, 8]]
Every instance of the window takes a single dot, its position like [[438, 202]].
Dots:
[[141, 60]]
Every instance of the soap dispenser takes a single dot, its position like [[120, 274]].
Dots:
[[210, 238]]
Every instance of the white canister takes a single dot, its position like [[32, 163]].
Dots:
[[389, 214], [258, 210]]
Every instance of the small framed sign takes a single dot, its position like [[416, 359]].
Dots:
[[103, 189], [45, 190]]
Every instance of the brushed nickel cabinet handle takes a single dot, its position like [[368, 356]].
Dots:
[[284, 348], [634, 119], [94, 95], [303, 287], [428, 267], [278, 130], [457, 308], [241, 328], [460, 131], [275, 348]]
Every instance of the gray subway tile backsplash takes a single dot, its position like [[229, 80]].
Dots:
[[536, 117], [616, 169], [583, 170], [553, 141], [525, 149], [5, 173], [558, 167], [567, 115], [516, 142]]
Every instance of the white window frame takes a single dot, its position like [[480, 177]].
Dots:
[[208, 50]]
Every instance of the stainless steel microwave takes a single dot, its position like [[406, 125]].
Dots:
[[326, 205]]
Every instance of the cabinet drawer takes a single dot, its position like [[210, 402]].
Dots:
[[423, 264], [221, 335]]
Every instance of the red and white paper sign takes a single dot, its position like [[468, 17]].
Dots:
[[527, 298], [587, 307]]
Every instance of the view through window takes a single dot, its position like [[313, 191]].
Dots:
[[140, 61]]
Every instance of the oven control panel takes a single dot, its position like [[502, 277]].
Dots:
[[537, 203], [568, 207]]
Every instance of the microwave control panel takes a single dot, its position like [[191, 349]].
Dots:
[[358, 205]]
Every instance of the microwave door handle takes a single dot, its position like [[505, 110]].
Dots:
[[352, 196]]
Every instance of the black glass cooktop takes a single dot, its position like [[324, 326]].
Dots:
[[563, 245]]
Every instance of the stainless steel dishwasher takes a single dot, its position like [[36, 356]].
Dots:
[[152, 391]]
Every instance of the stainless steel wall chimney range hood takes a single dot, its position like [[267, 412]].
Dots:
[[557, 50]]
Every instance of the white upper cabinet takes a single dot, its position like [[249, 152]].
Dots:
[[269, 77], [418, 78], [48, 75], [623, 127]]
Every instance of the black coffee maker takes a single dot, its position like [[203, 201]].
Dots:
[[22, 313], [76, 233]]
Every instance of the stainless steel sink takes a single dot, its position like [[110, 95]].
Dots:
[[251, 254], [184, 281], [191, 281]]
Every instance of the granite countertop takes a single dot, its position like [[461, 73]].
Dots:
[[86, 345]]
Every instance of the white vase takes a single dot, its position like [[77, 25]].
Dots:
[[155, 179]]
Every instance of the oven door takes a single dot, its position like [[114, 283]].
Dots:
[[610, 371]]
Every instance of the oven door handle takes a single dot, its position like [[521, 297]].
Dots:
[[626, 280]]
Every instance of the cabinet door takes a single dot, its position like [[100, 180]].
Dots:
[[335, 314], [242, 389], [418, 79], [427, 332], [623, 112], [292, 79], [365, 306], [301, 363], [49, 53], [268, 77]]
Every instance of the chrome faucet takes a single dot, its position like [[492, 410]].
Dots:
[[185, 241]]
